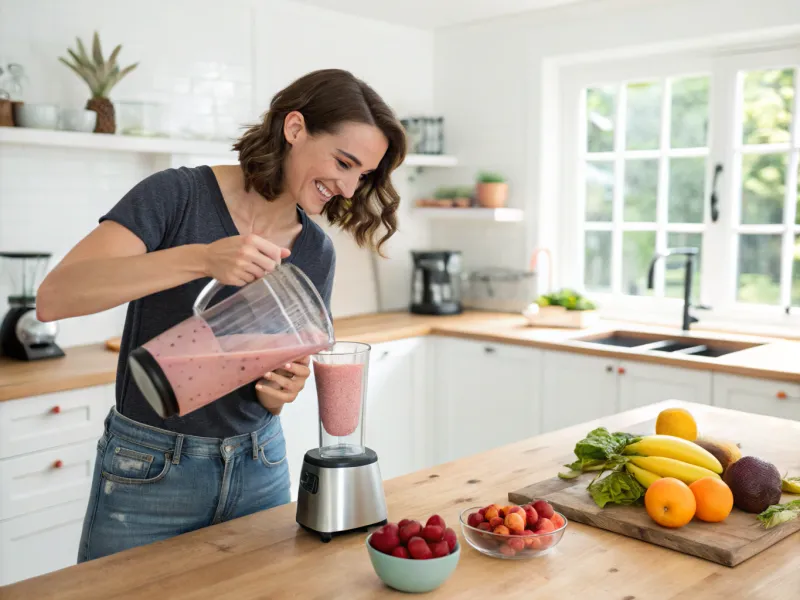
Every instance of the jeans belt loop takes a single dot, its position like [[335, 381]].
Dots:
[[176, 456], [254, 439]]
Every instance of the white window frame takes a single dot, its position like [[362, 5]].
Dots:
[[718, 285]]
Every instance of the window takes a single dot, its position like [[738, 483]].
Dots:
[[647, 143]]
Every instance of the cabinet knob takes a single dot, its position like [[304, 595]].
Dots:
[[781, 395], [489, 350], [385, 354], [58, 464], [56, 409], [609, 369], [621, 370]]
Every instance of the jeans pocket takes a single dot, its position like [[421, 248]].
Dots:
[[273, 451], [131, 463]]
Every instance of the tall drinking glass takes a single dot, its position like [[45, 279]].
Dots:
[[340, 373]]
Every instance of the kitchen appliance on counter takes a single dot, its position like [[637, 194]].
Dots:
[[22, 335], [341, 489], [436, 282]]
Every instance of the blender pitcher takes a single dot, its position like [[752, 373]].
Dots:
[[264, 325], [340, 374]]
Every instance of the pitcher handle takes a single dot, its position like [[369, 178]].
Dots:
[[206, 295]]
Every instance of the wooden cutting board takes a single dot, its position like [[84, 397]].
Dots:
[[729, 543]]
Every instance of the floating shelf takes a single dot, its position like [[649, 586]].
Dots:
[[500, 215], [154, 145]]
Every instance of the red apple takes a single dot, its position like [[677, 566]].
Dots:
[[419, 549]]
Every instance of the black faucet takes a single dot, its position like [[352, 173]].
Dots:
[[690, 254]]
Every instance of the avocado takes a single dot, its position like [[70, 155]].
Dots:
[[755, 483]]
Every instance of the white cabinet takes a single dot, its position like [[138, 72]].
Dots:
[[396, 407], [40, 542], [760, 396], [641, 384], [485, 395], [576, 388]]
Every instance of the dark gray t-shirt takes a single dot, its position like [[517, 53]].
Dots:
[[185, 206]]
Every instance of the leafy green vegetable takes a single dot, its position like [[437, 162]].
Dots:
[[780, 513], [619, 487], [568, 298], [599, 451]]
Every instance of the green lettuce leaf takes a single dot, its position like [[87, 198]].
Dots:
[[780, 513], [619, 487]]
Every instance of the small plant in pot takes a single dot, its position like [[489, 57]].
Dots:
[[100, 75], [491, 190]]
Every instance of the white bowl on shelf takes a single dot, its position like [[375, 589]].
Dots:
[[78, 119], [36, 116]]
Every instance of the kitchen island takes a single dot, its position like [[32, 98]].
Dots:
[[266, 555]]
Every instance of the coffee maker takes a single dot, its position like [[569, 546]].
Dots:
[[341, 489], [436, 283], [22, 335]]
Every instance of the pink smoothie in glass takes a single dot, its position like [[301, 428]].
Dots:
[[202, 368], [339, 396]]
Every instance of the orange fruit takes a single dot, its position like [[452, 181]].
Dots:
[[670, 502], [714, 499]]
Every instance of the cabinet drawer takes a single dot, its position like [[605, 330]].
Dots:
[[488, 349], [51, 420], [760, 396], [43, 479], [41, 542]]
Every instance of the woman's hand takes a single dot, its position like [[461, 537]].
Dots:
[[240, 259], [281, 386]]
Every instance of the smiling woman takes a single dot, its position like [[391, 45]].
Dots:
[[327, 145], [335, 142]]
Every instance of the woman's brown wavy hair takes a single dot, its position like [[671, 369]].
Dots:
[[327, 99]]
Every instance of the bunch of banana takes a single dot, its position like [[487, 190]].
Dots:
[[656, 456]]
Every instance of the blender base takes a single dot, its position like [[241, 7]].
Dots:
[[340, 495]]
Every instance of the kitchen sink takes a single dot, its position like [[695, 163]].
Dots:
[[648, 342]]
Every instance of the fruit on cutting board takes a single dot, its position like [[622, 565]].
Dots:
[[714, 499], [670, 502], [677, 422], [646, 478], [409, 539], [725, 451], [669, 467], [668, 446], [755, 483]]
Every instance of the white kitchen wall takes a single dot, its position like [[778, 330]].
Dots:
[[215, 67], [496, 83]]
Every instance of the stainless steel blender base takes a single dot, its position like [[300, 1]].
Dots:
[[340, 494]]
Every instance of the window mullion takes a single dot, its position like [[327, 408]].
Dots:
[[619, 190], [662, 191], [790, 200]]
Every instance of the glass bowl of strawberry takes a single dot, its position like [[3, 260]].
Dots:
[[512, 531], [414, 556]]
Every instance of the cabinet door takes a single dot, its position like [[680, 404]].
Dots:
[[486, 396], [395, 412], [300, 424], [576, 388], [40, 542], [642, 383], [760, 396]]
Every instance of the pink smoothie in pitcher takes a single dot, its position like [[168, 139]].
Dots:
[[339, 396], [202, 368]]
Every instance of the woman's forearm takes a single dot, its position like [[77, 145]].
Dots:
[[93, 285]]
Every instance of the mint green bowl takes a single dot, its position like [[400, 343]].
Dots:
[[409, 575]]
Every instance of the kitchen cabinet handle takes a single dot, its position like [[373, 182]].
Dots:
[[782, 395], [385, 354], [621, 370], [609, 369], [56, 409], [489, 350], [58, 464]]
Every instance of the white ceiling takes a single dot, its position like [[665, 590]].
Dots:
[[432, 14]]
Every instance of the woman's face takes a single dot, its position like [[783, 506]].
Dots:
[[326, 165]]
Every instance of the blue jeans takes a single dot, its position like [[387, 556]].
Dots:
[[150, 484]]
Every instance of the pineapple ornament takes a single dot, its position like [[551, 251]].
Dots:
[[100, 75]]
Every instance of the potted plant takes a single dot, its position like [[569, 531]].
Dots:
[[491, 190], [100, 75]]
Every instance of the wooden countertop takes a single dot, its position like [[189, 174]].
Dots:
[[94, 364], [266, 555]]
